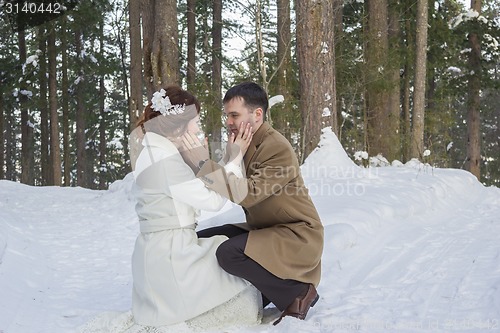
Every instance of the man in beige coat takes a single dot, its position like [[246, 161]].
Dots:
[[279, 247]]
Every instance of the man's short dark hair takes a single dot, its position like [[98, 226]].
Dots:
[[253, 95]]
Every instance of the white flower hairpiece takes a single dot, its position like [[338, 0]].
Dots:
[[161, 103]]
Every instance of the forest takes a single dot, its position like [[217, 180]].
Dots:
[[394, 79]]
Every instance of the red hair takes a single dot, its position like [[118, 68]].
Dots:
[[171, 125]]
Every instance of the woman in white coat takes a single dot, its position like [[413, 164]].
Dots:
[[176, 276]]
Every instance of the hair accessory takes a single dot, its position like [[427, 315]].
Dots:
[[161, 103]]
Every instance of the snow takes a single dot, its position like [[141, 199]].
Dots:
[[26, 92], [410, 248], [33, 59], [454, 69], [493, 42], [275, 100], [324, 48], [77, 80], [471, 14], [360, 155], [326, 112]]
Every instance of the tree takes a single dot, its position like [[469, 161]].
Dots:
[[46, 174], [284, 71], [10, 72], [2, 136], [81, 151], [316, 60], [214, 111], [474, 101], [191, 43], [393, 150], [338, 11], [148, 31], [408, 69], [26, 123], [165, 49], [418, 114], [65, 104], [102, 115], [55, 151], [382, 116], [136, 99], [259, 39]]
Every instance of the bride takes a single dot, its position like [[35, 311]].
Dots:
[[176, 277]]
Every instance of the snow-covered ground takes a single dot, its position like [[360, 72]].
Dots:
[[408, 248]]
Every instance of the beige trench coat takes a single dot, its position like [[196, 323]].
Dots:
[[286, 234]]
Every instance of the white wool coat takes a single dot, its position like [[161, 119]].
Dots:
[[176, 275]]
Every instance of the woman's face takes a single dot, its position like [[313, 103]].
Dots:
[[194, 125]]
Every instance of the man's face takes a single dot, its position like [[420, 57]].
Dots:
[[235, 113]]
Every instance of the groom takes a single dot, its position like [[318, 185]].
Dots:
[[279, 247]]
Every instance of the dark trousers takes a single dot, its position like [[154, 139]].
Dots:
[[231, 257]]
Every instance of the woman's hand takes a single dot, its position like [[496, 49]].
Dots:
[[238, 144], [193, 151]]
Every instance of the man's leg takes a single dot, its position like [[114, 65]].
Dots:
[[227, 230], [233, 260]]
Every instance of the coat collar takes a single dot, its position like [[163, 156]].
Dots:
[[155, 140], [257, 139], [258, 136]]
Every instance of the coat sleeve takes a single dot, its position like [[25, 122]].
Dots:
[[274, 170], [183, 186]]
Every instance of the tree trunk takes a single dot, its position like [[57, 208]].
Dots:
[[46, 169], [191, 44], [81, 153], [135, 104], [65, 103], [2, 136], [473, 162], [377, 71], [338, 8], [10, 147], [26, 125], [102, 137], [316, 60], [165, 51], [417, 132], [214, 117], [284, 39], [55, 150], [148, 31], [102, 118], [261, 58], [406, 128], [394, 112]]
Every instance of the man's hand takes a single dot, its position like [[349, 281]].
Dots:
[[238, 145]]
